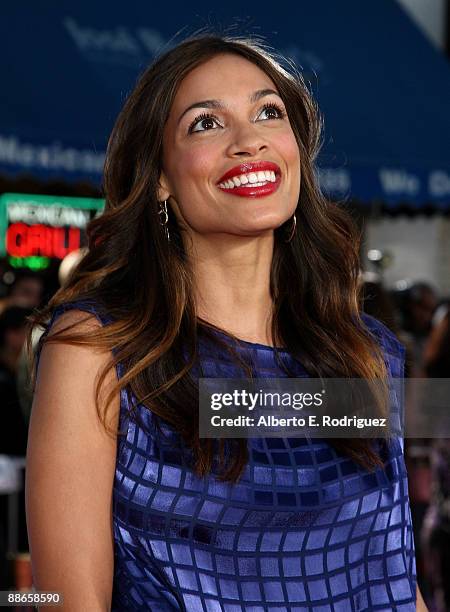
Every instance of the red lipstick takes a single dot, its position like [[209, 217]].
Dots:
[[249, 190]]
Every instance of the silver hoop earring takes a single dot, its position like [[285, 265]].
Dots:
[[164, 218], [294, 227]]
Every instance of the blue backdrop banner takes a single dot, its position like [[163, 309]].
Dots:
[[384, 91]]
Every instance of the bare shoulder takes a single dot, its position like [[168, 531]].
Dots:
[[74, 320], [70, 470], [68, 373]]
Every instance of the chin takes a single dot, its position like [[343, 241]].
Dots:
[[256, 231]]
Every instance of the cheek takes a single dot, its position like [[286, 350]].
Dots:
[[288, 147], [193, 167], [193, 172]]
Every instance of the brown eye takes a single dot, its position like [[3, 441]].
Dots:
[[207, 124], [270, 111], [204, 123]]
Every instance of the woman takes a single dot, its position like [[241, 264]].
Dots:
[[216, 256]]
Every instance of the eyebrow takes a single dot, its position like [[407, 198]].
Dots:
[[218, 104]]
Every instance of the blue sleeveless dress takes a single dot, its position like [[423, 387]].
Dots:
[[304, 530]]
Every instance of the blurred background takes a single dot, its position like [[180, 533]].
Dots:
[[380, 72]]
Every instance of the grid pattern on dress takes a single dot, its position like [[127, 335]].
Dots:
[[304, 529]]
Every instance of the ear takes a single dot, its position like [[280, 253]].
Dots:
[[163, 187]]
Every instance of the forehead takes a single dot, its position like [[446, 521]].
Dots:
[[223, 77]]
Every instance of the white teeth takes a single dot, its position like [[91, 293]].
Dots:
[[252, 179]]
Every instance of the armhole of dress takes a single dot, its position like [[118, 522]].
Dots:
[[124, 408]]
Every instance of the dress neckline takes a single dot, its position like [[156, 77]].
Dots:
[[254, 345]]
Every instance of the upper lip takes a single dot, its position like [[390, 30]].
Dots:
[[247, 167]]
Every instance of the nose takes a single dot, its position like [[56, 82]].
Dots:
[[246, 141]]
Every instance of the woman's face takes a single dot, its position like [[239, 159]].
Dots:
[[231, 163]]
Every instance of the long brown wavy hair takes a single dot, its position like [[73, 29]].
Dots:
[[145, 283]]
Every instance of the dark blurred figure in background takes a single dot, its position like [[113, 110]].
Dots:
[[377, 302], [437, 350], [436, 526], [13, 329], [416, 305], [26, 290], [409, 314], [13, 430]]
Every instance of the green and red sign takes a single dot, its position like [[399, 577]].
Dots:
[[37, 228]]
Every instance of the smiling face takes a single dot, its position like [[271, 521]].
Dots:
[[231, 163]]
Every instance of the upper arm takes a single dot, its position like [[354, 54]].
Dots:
[[420, 604], [69, 475]]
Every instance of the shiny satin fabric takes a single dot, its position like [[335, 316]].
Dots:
[[304, 530]]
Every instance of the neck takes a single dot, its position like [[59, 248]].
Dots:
[[232, 285]]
